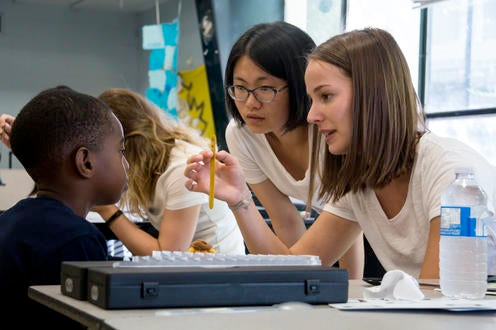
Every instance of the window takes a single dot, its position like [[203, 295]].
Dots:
[[460, 77], [321, 19], [398, 17], [450, 47]]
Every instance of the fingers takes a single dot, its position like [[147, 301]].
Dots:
[[194, 159], [5, 131], [226, 158], [190, 172], [190, 185], [193, 165], [203, 156], [2, 123], [198, 162], [6, 117], [192, 181], [222, 156], [6, 122], [197, 171]]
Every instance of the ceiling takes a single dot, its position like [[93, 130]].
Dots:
[[110, 5]]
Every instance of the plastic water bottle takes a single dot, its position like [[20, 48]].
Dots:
[[463, 243]]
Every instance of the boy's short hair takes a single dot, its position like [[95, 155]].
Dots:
[[53, 124]]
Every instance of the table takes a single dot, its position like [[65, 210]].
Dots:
[[261, 317]]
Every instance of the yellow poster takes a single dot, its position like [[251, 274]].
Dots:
[[194, 105]]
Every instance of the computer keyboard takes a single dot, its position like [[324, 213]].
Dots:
[[189, 259]]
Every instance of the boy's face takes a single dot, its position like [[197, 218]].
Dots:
[[112, 167]]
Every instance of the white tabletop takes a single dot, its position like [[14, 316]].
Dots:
[[262, 317]]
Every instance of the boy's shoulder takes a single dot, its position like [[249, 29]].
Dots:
[[48, 228], [49, 214], [43, 207]]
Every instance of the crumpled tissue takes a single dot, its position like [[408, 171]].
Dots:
[[395, 285]]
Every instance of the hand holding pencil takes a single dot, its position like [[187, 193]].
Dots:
[[213, 148], [216, 168]]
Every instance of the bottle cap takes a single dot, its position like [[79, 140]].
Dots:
[[464, 169]]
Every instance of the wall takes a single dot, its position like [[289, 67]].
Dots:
[[90, 50], [42, 46], [233, 17]]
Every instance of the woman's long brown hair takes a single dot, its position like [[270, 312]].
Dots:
[[385, 113]]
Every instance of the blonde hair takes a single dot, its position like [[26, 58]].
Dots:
[[149, 138], [385, 112]]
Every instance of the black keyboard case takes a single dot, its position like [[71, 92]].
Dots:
[[74, 277], [160, 287]]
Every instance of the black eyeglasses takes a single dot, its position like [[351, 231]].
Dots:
[[264, 94]]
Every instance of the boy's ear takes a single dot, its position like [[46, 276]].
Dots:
[[84, 162]]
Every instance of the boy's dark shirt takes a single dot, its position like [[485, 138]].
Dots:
[[36, 235]]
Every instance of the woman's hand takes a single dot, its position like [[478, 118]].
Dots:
[[6, 122], [230, 185]]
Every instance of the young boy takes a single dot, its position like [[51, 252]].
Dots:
[[72, 145]]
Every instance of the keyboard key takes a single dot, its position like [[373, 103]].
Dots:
[[188, 259]]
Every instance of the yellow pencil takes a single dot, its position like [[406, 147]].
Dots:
[[213, 147]]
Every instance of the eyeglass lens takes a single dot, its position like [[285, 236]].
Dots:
[[262, 94]]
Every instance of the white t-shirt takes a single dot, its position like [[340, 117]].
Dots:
[[259, 163], [400, 242], [217, 226]]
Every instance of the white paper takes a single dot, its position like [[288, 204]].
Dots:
[[444, 303]]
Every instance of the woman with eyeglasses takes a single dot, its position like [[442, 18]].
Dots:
[[268, 132]]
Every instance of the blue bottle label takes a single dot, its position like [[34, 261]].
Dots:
[[456, 221]]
